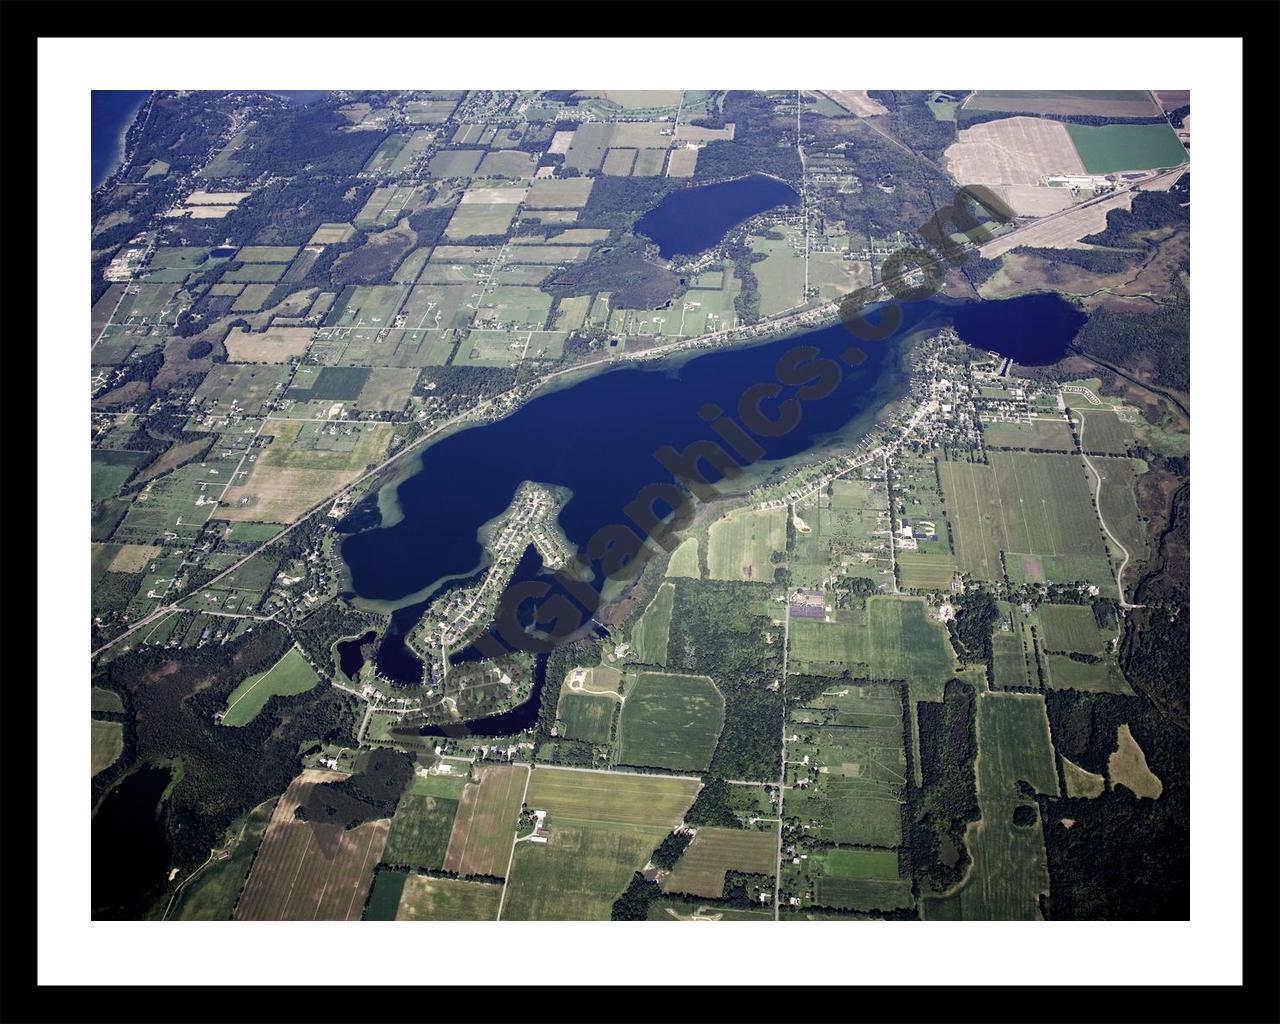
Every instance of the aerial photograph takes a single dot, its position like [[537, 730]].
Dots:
[[616, 505]]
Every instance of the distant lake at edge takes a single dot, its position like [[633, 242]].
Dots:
[[112, 111]]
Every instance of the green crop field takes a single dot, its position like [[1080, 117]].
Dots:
[[290, 675], [850, 879], [110, 468], [448, 899], [420, 831], [889, 638], [1063, 673], [741, 544], [1126, 147], [1070, 627], [670, 721], [701, 868], [384, 897], [922, 571], [1009, 869], [1118, 504], [1031, 504], [1103, 431], [650, 633], [585, 716]]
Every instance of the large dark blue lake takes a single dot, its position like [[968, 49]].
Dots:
[[130, 852], [111, 113], [692, 219], [598, 438]]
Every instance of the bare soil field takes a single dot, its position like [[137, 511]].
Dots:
[[1012, 151], [856, 101], [1034, 200], [480, 843], [1172, 99], [275, 345], [1064, 231], [560, 142], [307, 871], [1132, 103]]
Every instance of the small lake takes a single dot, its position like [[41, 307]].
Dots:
[[1033, 330], [129, 851], [693, 219]]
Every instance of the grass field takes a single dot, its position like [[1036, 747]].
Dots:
[[585, 717], [855, 776], [1052, 433], [1127, 766], [923, 571], [603, 827], [307, 871], [1081, 782], [684, 561], [650, 633], [1009, 870], [1036, 505], [291, 674], [857, 879], [480, 842], [110, 468], [1064, 673], [670, 721], [420, 831], [615, 797], [848, 532], [105, 700], [1070, 627], [108, 744], [1126, 147], [448, 899], [741, 543], [211, 895], [700, 869], [384, 899], [303, 465], [888, 638]]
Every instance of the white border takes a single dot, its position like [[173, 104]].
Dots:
[[71, 949]]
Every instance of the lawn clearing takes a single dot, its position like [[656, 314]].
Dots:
[[1127, 766], [290, 675]]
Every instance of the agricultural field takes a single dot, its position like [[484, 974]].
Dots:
[[741, 544], [1009, 871], [884, 638], [1050, 433], [602, 828], [107, 744], [291, 675], [669, 721], [420, 831], [1012, 151], [1035, 509], [1097, 102], [842, 530], [480, 842], [309, 871], [448, 899], [649, 635], [303, 464], [586, 717], [846, 768], [211, 893], [713, 851], [1106, 149], [684, 561]]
